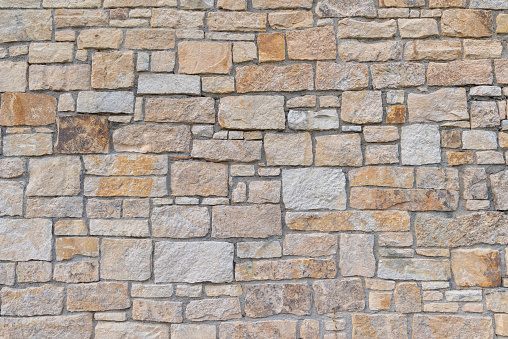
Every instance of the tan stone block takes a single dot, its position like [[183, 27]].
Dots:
[[396, 115], [259, 249], [356, 255], [457, 158], [125, 186], [354, 8], [19, 236], [139, 3], [56, 326], [261, 192], [380, 301], [110, 329], [310, 245], [232, 5], [142, 39], [82, 134], [501, 69], [309, 329], [362, 107], [35, 144], [7, 273], [417, 28], [227, 150], [113, 70], [123, 164], [286, 269], [54, 176], [180, 221], [401, 3], [77, 272], [365, 221], [30, 301], [100, 38], [382, 176], [482, 49], [467, 23], [290, 19], [254, 221], [172, 18], [252, 112], [213, 309], [14, 74], [68, 248], [459, 73], [152, 138], [447, 3], [380, 133], [312, 44], [339, 150], [396, 75], [476, 267], [410, 200], [267, 78], [379, 285], [65, 18], [344, 77], [378, 326], [190, 110], [446, 104], [27, 109], [414, 269], [264, 300], [355, 29], [34, 271], [199, 178], [288, 149], [20, 4], [408, 298], [271, 47], [71, 3], [198, 57], [236, 21], [283, 329], [441, 326], [381, 154], [41, 53], [25, 25], [501, 324], [364, 52], [244, 51], [338, 295], [59, 207], [433, 50], [101, 296], [59, 78], [126, 259], [158, 311]]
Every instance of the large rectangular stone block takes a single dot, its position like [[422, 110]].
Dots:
[[255, 221], [25, 239]]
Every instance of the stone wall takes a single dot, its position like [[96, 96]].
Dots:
[[240, 169]]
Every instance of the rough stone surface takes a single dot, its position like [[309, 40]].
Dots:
[[101, 296], [362, 107], [64, 326], [420, 144], [443, 105], [476, 267], [186, 110], [199, 178], [135, 330], [43, 300], [379, 326], [152, 138], [180, 222], [256, 221], [288, 149], [338, 295], [357, 255], [452, 326], [252, 112], [19, 109], [82, 134], [268, 78], [126, 259], [22, 25], [283, 329], [196, 57], [414, 269]]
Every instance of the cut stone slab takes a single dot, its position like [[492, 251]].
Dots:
[[452, 326], [341, 9], [280, 329], [105, 102], [131, 330], [30, 301], [54, 176], [21, 109], [82, 134], [414, 269], [23, 25], [100, 296], [193, 262], [180, 221], [379, 326], [420, 145], [199, 178], [62, 327], [126, 259], [446, 104], [169, 84], [12, 198], [252, 112], [255, 221], [204, 57], [476, 267], [362, 107], [339, 295], [152, 138], [357, 255], [185, 110]]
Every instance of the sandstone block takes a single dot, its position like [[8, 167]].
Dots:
[[65, 18], [34, 271], [236, 21], [169, 84], [312, 44], [105, 102], [479, 140], [256, 221], [496, 300], [339, 150], [68, 248], [344, 77], [54, 176], [357, 255], [501, 324], [362, 107], [77, 272], [100, 296], [499, 185], [453, 326], [286, 269], [199, 178], [261, 191], [314, 188], [202, 57], [271, 47], [476, 267], [142, 39], [460, 73], [36, 144], [252, 112], [364, 52], [382, 176], [185, 110], [12, 202], [414, 269], [125, 186], [118, 228], [322, 120], [23, 25], [57, 326], [380, 301], [100, 38], [177, 262], [214, 309], [310, 245], [433, 50], [338, 295], [339, 9], [377, 326], [30, 301], [158, 311], [20, 4], [112, 70], [27, 109], [12, 168], [420, 144], [481, 49], [446, 104], [283, 329], [59, 78], [82, 134], [401, 3], [139, 3], [408, 298], [484, 114], [113, 165], [356, 29], [467, 23], [474, 184], [288, 149], [17, 244], [259, 249], [60, 207], [152, 138], [180, 222], [71, 3], [45, 53], [270, 299], [226, 150], [281, 4], [396, 75], [417, 28], [135, 330], [172, 18], [15, 74], [267, 78], [193, 331]]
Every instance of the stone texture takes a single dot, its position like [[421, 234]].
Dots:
[[168, 84], [126, 259], [101, 296], [213, 309], [58, 78], [362, 107], [64, 326], [484, 114], [177, 262], [158, 311], [226, 150], [77, 272], [199, 178], [59, 207], [27, 302], [446, 104], [82, 134], [34, 271], [23, 25], [433, 50], [476, 267], [316, 188], [15, 72], [417, 28], [111, 165], [357, 255], [382, 176], [134, 330], [12, 204], [268, 78], [256, 221], [466, 23], [286, 269], [36, 144], [60, 52], [344, 77], [339, 9], [379, 326], [420, 144], [12, 168], [338, 295], [192, 331], [288, 149], [20, 109], [451, 326], [152, 138], [113, 70], [310, 245], [125, 186], [414, 269], [364, 52], [252, 112], [142, 39], [271, 47], [100, 38], [322, 120], [356, 29], [54, 176], [105, 102], [270, 299], [195, 57], [338, 150], [499, 184], [180, 222], [408, 298], [186, 110], [68, 248], [460, 73], [397, 75], [282, 329], [236, 21], [25, 239], [312, 44]]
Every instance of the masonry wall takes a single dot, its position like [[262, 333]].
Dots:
[[238, 169]]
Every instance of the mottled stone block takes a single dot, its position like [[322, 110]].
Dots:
[[152, 138], [335, 76], [414, 269], [203, 57], [199, 178], [282, 329], [158, 311], [125, 187], [59, 78], [25, 25], [214, 309], [20, 109], [15, 74], [357, 255], [264, 300], [169, 84], [286, 269], [252, 112], [31, 301], [59, 207], [255, 221], [268, 78], [312, 44], [453, 326], [339, 295], [54, 176], [57, 326], [180, 222], [227, 150], [476, 267], [377, 326], [185, 110]]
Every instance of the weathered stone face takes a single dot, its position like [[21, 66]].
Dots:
[[113, 70], [27, 109], [43, 300], [338, 295], [257, 221], [270, 299], [442, 326], [442, 105], [54, 176], [284, 329], [252, 112], [25, 25], [136, 330], [180, 222], [152, 138], [82, 134], [476, 267], [101, 296], [82, 325], [414, 269], [15, 73], [187, 110], [125, 259], [268, 78], [204, 57], [286, 269], [357, 255], [379, 326]]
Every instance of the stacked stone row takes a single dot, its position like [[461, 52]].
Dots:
[[289, 169]]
